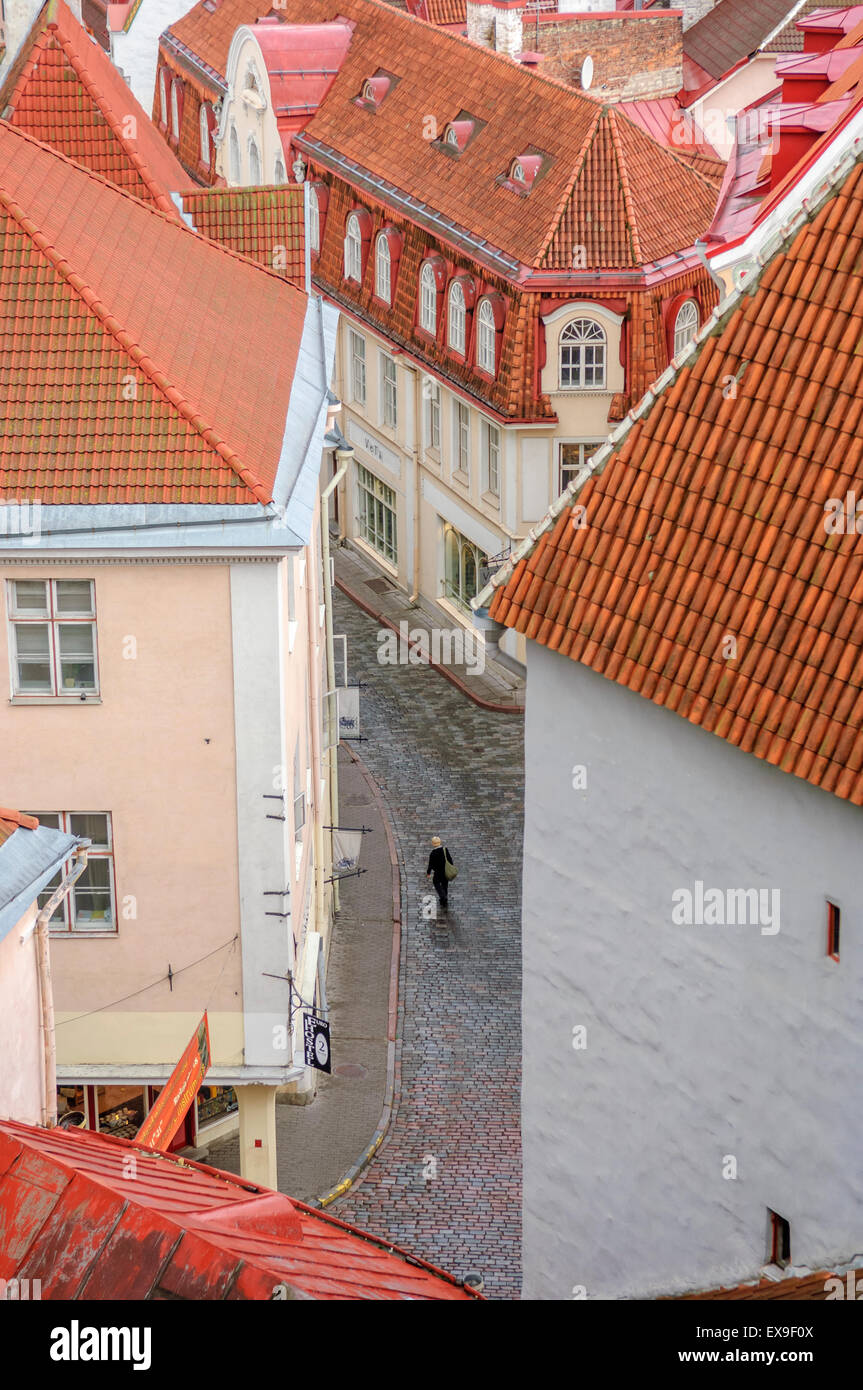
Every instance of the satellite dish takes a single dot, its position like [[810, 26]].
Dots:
[[586, 73]]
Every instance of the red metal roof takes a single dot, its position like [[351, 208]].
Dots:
[[64, 90], [97, 289], [97, 1217], [303, 61]]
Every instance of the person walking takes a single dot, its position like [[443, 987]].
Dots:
[[437, 869]]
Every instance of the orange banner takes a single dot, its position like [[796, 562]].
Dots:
[[173, 1101]]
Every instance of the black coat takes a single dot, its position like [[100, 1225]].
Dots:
[[436, 864]]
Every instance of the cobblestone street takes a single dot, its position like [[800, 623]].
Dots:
[[446, 1183]]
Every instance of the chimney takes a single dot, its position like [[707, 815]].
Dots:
[[480, 23], [508, 33], [496, 24]]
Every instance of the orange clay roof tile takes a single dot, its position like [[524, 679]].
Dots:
[[709, 521], [65, 91], [138, 360]]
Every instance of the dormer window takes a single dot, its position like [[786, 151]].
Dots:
[[459, 133], [524, 170], [353, 249], [685, 325], [375, 88], [456, 318], [428, 299]]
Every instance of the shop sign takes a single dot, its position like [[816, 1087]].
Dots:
[[316, 1042]]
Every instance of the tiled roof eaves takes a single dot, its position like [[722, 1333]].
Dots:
[[712, 327], [418, 213], [158, 194], [187, 56]]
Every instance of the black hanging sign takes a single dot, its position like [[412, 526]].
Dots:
[[316, 1042]]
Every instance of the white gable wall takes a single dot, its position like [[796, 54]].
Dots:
[[702, 1041]]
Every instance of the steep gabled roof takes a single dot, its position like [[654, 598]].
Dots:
[[95, 1217], [138, 360], [65, 91], [265, 224], [517, 111], [710, 519]]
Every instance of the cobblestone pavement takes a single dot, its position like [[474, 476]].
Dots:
[[446, 1183]]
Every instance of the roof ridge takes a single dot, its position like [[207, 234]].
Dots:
[[133, 350], [567, 195], [610, 117], [715, 324], [163, 201]]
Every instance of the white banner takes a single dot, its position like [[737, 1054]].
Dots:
[[346, 850], [349, 711]]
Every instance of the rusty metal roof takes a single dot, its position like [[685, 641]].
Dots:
[[96, 1217]]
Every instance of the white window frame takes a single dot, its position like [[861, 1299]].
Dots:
[[431, 393], [279, 174], [234, 170], [163, 96], [383, 269], [357, 366], [376, 502], [204, 132], [582, 353], [66, 919], [492, 443], [353, 249], [456, 318], [461, 438], [586, 449], [486, 336], [54, 620], [684, 332], [389, 391], [175, 110], [428, 299], [314, 220], [458, 594]]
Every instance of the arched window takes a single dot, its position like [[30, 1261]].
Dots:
[[175, 109], [163, 96], [464, 564], [204, 125], [582, 356], [685, 325], [485, 335], [234, 156], [456, 318], [353, 249], [254, 163], [279, 175], [428, 300], [314, 219], [382, 269]]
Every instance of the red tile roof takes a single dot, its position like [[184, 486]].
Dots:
[[643, 198], [709, 518], [731, 32], [103, 297], [208, 32], [804, 1288], [65, 91], [265, 224], [97, 1217]]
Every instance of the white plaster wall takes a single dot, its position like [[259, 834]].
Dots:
[[264, 767], [136, 53], [20, 1025], [702, 1041]]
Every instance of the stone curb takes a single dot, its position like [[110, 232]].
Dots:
[[436, 666], [390, 1099]]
